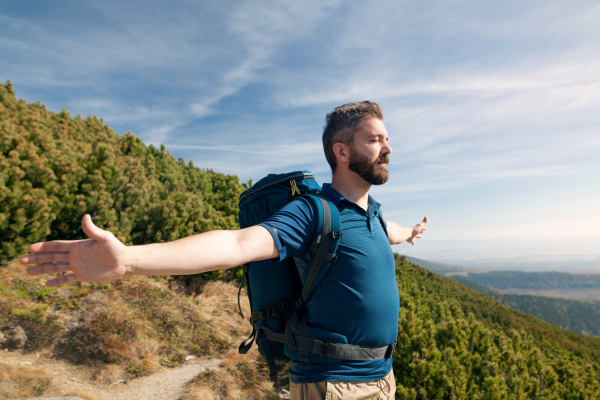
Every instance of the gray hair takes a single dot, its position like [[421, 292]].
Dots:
[[343, 122]]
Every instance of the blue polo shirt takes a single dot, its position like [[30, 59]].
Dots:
[[358, 297]]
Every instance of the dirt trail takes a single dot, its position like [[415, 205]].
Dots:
[[165, 384]]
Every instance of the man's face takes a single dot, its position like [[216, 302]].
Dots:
[[369, 153]]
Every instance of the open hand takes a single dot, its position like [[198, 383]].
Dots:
[[100, 258], [417, 231]]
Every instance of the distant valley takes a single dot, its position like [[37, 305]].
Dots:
[[568, 301], [573, 286]]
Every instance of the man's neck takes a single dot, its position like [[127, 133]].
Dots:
[[353, 188]]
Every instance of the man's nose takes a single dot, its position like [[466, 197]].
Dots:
[[387, 149]]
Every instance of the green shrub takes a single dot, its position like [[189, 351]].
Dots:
[[36, 314]]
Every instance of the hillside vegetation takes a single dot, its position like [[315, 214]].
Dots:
[[453, 342], [55, 168], [580, 317], [457, 343]]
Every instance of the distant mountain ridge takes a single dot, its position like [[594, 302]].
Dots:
[[441, 268], [510, 279]]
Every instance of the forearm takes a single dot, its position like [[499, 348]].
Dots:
[[398, 234], [208, 251]]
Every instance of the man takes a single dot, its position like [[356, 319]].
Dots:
[[359, 293]]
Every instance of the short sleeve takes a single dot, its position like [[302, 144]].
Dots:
[[293, 227]]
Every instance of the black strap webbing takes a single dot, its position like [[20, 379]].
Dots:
[[264, 347], [245, 345], [340, 351]]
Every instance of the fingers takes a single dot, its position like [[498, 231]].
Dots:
[[55, 245], [48, 269], [64, 245], [44, 258], [53, 268], [63, 280], [423, 223]]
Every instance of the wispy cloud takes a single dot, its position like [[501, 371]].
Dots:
[[476, 95], [300, 150]]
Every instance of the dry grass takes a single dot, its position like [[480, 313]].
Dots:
[[243, 377], [84, 394], [217, 383], [21, 383], [110, 373], [134, 326]]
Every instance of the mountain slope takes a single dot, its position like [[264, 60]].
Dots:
[[457, 343], [577, 316]]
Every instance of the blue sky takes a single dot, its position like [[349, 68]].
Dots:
[[492, 108]]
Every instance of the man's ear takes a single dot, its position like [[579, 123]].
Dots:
[[342, 152]]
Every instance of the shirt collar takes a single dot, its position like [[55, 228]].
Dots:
[[336, 197]]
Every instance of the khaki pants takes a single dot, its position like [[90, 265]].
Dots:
[[381, 389]]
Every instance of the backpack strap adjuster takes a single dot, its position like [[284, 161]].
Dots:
[[266, 314], [390, 350], [336, 235], [299, 303], [318, 347], [284, 305], [324, 348]]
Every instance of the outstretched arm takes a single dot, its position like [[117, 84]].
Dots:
[[398, 234], [103, 257]]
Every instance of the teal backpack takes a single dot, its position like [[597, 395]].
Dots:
[[275, 288]]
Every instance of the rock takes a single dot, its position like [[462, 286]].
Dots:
[[94, 304], [66, 293], [14, 337], [94, 299], [72, 324]]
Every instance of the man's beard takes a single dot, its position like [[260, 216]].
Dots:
[[370, 171]]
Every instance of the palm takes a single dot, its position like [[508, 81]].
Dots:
[[95, 261], [100, 258]]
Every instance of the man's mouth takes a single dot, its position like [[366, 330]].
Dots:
[[385, 160]]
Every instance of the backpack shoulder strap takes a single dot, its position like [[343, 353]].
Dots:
[[322, 251]]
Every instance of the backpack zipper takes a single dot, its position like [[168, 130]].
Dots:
[[302, 175]]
